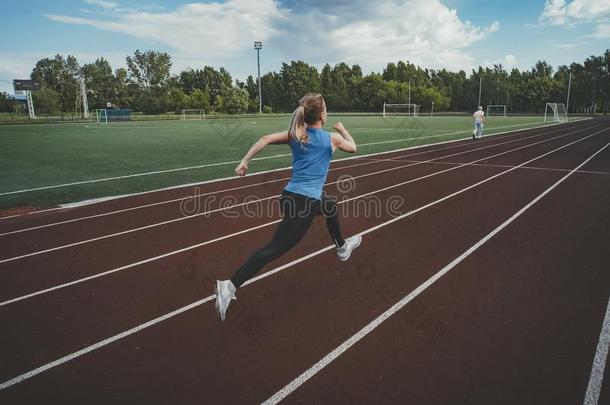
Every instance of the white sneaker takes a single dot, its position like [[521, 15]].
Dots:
[[225, 292], [345, 251]]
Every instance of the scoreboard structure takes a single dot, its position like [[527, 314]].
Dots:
[[27, 86]]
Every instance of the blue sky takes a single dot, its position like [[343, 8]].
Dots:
[[456, 34]]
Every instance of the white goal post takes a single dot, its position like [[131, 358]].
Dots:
[[496, 110], [555, 112], [192, 114], [101, 116], [400, 109]]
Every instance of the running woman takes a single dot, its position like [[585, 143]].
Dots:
[[479, 120], [302, 199]]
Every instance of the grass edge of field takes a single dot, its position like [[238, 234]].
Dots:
[[254, 172], [42, 204]]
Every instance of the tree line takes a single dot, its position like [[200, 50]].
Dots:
[[147, 85]]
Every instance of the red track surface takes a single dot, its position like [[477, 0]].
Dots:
[[517, 321]]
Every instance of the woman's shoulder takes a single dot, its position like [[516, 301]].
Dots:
[[320, 131]]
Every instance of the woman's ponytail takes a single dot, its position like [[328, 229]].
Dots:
[[311, 110], [297, 129]]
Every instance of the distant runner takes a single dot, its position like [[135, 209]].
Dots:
[[479, 120]]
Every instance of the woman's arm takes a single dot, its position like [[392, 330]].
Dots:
[[343, 140], [271, 139]]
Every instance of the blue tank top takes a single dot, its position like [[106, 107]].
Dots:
[[310, 162]]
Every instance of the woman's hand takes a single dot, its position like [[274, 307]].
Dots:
[[339, 127], [241, 169]]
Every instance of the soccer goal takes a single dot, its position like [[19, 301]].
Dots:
[[555, 112], [192, 114], [497, 110], [400, 109], [101, 116]]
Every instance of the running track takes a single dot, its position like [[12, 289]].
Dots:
[[488, 284]]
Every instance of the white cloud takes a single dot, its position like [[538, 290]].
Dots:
[[369, 33], [508, 62], [210, 30], [567, 45], [602, 31], [102, 3], [421, 31], [16, 66], [561, 12], [221, 34]]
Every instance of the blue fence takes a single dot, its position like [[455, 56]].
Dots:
[[119, 114]]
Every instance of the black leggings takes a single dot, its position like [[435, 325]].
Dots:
[[299, 212]]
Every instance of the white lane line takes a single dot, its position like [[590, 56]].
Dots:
[[596, 378], [107, 341], [491, 136], [139, 263], [544, 169], [346, 345], [127, 176], [365, 158], [103, 343], [105, 199], [366, 162], [128, 266], [188, 217], [120, 211]]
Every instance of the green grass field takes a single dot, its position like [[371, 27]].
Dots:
[[42, 155]]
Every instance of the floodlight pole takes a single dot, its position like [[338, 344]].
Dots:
[[83, 94], [258, 46], [480, 87], [432, 111], [410, 98], [568, 99]]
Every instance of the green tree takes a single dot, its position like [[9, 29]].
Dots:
[[425, 96], [273, 91], [252, 88], [149, 69], [177, 99], [371, 92], [336, 85], [100, 82], [47, 101], [7, 104], [148, 77], [59, 74], [452, 84], [390, 72], [298, 78], [147, 85], [123, 91], [216, 81], [233, 101], [200, 99]]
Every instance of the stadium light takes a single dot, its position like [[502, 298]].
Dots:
[[258, 46], [569, 87]]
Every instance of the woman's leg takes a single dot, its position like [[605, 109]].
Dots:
[[331, 212], [289, 232]]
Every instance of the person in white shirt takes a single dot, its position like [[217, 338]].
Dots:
[[479, 120]]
